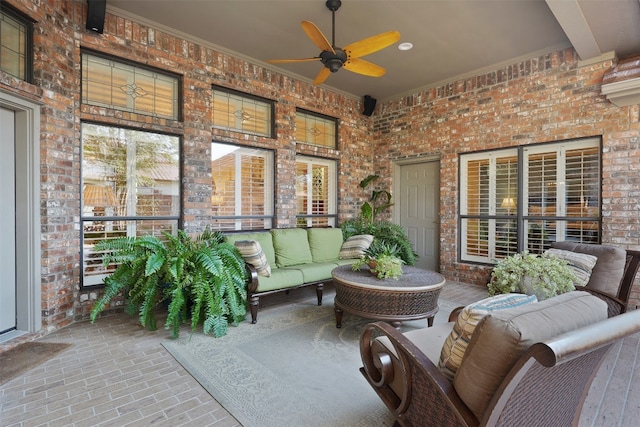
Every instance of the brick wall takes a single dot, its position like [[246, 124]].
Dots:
[[543, 99]]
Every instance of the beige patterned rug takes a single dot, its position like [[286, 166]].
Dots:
[[292, 368]]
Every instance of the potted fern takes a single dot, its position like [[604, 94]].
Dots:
[[382, 259], [201, 279], [544, 275]]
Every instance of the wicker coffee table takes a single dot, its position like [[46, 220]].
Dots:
[[413, 296]]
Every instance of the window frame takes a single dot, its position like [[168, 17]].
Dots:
[[178, 81], [554, 227], [300, 112], [87, 254], [12, 13], [307, 219], [269, 196], [271, 121]]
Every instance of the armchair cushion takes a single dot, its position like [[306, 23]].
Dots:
[[608, 271], [503, 336], [456, 343]]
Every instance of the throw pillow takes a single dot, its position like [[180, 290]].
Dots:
[[581, 264], [354, 246], [252, 253], [456, 343]]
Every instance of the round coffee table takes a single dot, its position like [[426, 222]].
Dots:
[[414, 295]]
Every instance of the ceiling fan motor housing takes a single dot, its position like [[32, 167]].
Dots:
[[333, 62]]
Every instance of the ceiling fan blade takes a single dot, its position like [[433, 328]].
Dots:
[[317, 37], [371, 44], [285, 61], [322, 76], [366, 68]]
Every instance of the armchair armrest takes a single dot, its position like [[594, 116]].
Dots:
[[425, 390]]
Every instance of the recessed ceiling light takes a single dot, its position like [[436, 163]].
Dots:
[[405, 46]]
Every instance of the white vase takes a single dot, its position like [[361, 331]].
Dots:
[[527, 286]]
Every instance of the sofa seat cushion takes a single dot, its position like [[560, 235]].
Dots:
[[581, 264], [608, 271], [457, 342], [291, 246], [502, 337], [252, 253], [281, 278], [316, 271], [325, 243], [262, 237], [354, 246]]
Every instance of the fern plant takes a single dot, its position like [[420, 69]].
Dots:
[[202, 279]]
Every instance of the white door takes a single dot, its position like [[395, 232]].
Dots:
[[419, 210], [8, 221]]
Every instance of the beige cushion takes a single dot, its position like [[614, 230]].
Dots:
[[456, 343], [581, 264], [608, 271], [502, 337], [354, 246], [253, 254]]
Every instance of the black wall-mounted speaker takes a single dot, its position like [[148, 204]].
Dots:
[[369, 105], [95, 15]]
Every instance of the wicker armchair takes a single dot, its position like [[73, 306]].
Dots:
[[547, 385], [616, 295]]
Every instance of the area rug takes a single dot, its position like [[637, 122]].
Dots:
[[26, 356], [292, 368]]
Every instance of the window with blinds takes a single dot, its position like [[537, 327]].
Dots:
[[316, 192], [316, 129], [130, 187], [233, 110], [107, 82], [242, 187], [504, 210], [15, 44]]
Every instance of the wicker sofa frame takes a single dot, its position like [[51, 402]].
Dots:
[[547, 385]]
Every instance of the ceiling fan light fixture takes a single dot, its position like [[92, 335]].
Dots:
[[334, 65]]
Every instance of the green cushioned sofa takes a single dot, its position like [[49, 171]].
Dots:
[[297, 257]]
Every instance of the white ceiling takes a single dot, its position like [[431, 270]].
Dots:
[[451, 38]]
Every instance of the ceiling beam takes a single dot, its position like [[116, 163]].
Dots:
[[570, 17]]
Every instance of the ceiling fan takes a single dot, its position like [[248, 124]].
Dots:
[[333, 58]]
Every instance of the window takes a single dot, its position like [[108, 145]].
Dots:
[[112, 84], [233, 110], [316, 129], [15, 44], [130, 187], [528, 197], [316, 192], [241, 187]]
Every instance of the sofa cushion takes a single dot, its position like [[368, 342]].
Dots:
[[581, 264], [503, 336], [354, 246], [253, 254], [291, 246], [262, 237], [608, 271], [281, 278], [458, 340], [325, 243]]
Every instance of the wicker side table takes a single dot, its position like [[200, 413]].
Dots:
[[413, 296]]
